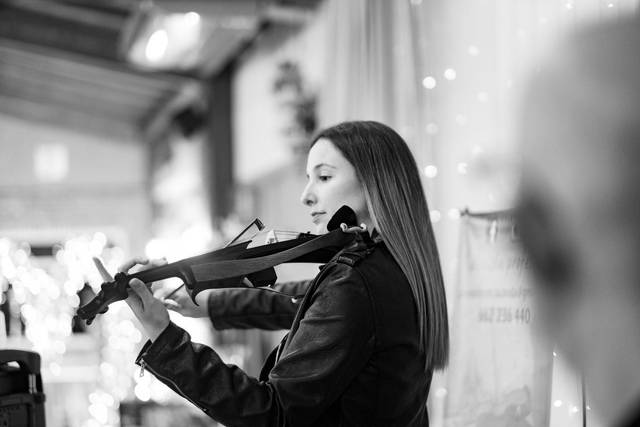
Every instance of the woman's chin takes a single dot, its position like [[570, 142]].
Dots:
[[320, 228]]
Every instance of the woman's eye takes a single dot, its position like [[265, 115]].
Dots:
[[324, 177]]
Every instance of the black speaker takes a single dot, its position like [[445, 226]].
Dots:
[[21, 394]]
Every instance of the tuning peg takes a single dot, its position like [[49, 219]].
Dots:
[[355, 229]]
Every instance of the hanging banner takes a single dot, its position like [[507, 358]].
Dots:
[[499, 373]]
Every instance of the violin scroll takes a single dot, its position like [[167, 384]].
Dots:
[[110, 292]]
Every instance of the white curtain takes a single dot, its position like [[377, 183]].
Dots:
[[446, 75]]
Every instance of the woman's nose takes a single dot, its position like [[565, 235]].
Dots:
[[308, 198]]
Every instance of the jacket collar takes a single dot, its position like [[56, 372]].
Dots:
[[375, 236]]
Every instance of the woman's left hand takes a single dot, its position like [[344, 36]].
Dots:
[[150, 311]]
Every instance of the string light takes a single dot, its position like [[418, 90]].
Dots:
[[429, 82], [48, 299], [557, 403], [431, 171], [450, 74], [432, 128], [483, 97], [454, 213], [142, 391], [441, 392], [462, 168], [473, 50], [569, 5], [435, 215], [461, 119], [55, 369]]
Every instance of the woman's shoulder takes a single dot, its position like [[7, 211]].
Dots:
[[382, 276], [371, 285], [345, 269], [370, 253], [367, 261]]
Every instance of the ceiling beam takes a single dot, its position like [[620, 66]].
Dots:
[[80, 121], [68, 100], [111, 6], [68, 12], [67, 62], [40, 71], [58, 31], [15, 81]]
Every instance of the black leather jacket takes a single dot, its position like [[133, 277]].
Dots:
[[351, 358]]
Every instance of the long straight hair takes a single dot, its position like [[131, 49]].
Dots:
[[398, 208]]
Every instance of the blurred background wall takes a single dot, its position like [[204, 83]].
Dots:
[[161, 128], [55, 179]]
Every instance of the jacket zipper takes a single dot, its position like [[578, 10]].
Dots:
[[173, 385]]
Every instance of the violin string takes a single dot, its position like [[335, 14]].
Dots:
[[257, 223], [279, 233], [264, 288], [259, 288]]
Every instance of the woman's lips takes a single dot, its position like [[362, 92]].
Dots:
[[316, 216]]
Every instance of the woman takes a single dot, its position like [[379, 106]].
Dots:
[[371, 328]]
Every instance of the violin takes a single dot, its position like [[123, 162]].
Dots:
[[228, 267]]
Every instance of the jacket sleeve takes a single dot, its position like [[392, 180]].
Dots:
[[247, 308], [333, 342]]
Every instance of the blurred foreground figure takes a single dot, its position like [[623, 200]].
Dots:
[[579, 210]]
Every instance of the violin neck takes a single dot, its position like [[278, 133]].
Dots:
[[182, 269], [161, 272]]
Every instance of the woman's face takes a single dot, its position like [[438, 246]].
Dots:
[[331, 183]]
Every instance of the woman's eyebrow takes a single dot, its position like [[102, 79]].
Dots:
[[319, 165]]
